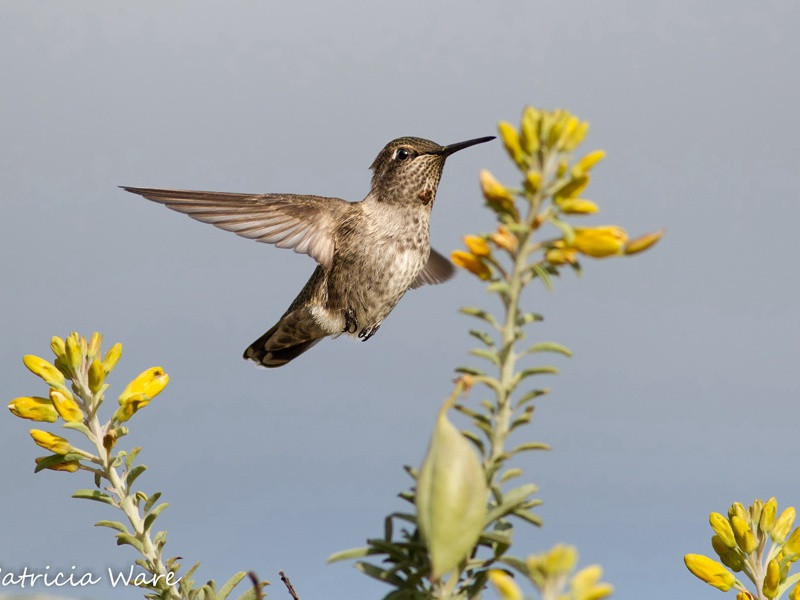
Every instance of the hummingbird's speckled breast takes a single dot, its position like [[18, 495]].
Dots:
[[380, 251]]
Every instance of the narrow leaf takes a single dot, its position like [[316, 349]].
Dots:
[[379, 574], [134, 473], [96, 495], [531, 446], [349, 554], [549, 347], [132, 456], [151, 501], [127, 538], [489, 355], [78, 426], [229, 585], [530, 396], [470, 371], [483, 337], [542, 274], [480, 314], [528, 317], [529, 517], [511, 501], [113, 525], [511, 473]]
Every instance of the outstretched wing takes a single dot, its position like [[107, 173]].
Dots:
[[437, 270], [305, 224]]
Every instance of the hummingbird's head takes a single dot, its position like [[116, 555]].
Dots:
[[408, 169]]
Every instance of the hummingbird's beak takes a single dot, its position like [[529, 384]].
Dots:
[[448, 150]]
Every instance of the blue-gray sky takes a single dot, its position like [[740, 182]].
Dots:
[[681, 396]]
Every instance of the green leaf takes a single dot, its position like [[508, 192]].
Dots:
[[511, 473], [489, 538], [529, 517], [149, 519], [483, 337], [566, 229], [96, 495], [127, 538], [531, 395], [512, 500], [480, 314], [498, 287], [470, 371], [97, 480], [191, 571], [475, 439], [489, 355], [78, 426], [528, 317], [379, 574], [531, 371], [134, 473], [472, 414], [229, 585], [132, 456], [527, 446], [517, 564], [151, 501], [542, 274], [349, 554], [549, 347], [113, 525]]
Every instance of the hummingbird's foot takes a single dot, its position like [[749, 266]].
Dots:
[[350, 321], [368, 332]]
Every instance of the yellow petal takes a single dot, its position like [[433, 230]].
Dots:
[[147, 385], [51, 442], [600, 242], [57, 346], [111, 357], [767, 520], [577, 206], [792, 546], [74, 355], [590, 160], [472, 263], [643, 242], [772, 579], [97, 375], [70, 466], [34, 408], [511, 142], [94, 345], [477, 245], [42, 368], [783, 525], [722, 528], [504, 239], [65, 405], [709, 571], [743, 535], [505, 585], [495, 193]]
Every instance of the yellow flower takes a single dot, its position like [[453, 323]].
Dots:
[[792, 546], [146, 386], [577, 206], [590, 160], [504, 239], [709, 571], [560, 560], [529, 129], [533, 181], [42, 368], [743, 535], [477, 245], [505, 585], [51, 442], [767, 519], [94, 345], [70, 466], [577, 136], [599, 242], [783, 524], [57, 345], [585, 586], [496, 194], [795, 593], [511, 142], [34, 408], [772, 579], [559, 254], [722, 528], [65, 405], [97, 375], [111, 357], [472, 263], [73, 352], [643, 242]]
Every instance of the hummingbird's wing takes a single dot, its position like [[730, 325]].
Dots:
[[437, 270], [305, 224]]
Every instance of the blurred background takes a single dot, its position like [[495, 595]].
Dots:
[[681, 396]]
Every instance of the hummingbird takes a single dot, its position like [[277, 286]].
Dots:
[[368, 253]]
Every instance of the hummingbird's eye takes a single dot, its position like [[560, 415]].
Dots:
[[402, 154]]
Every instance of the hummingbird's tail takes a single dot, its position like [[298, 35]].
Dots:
[[295, 333]]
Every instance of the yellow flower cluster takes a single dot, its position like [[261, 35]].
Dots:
[[80, 361], [740, 541], [549, 572]]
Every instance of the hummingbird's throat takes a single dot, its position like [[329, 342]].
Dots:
[[426, 196]]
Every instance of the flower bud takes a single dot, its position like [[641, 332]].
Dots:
[[111, 357], [477, 245], [51, 442], [577, 136], [577, 206], [138, 393], [529, 138], [561, 256], [767, 520], [795, 593], [70, 466], [94, 346], [730, 557], [710, 571], [505, 585], [34, 408], [744, 596], [451, 497], [744, 536], [504, 239], [737, 509], [600, 242], [792, 546], [45, 370], [533, 182], [65, 405], [560, 560], [590, 160], [74, 355], [471, 263], [772, 579], [57, 346], [722, 528], [511, 142], [97, 375], [783, 524], [585, 586], [495, 193]]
